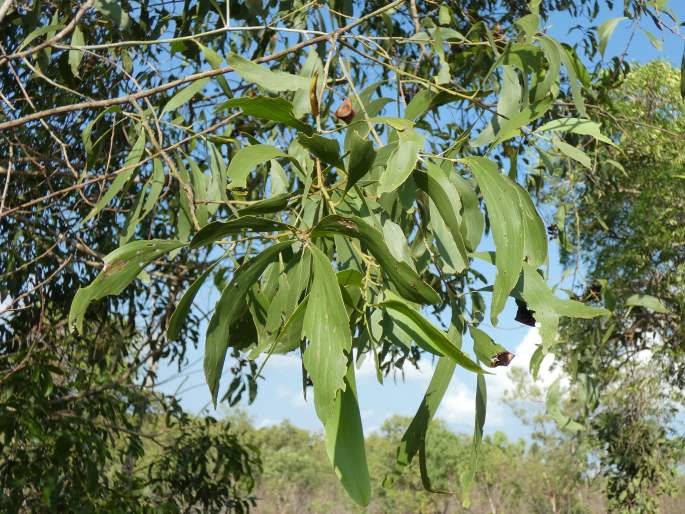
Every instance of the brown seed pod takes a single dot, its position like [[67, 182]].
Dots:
[[313, 94], [345, 112], [501, 359]]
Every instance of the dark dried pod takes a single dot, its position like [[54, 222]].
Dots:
[[501, 359], [345, 112], [524, 314]]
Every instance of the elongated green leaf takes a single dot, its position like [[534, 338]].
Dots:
[[134, 157], [446, 198], [328, 150], [574, 153], [605, 30], [415, 436], [682, 76], [40, 31], [267, 108], [473, 221], [245, 160], [327, 327], [402, 161], [184, 95], [218, 229], [122, 266], [535, 240], [546, 307], [345, 442], [362, 156], [426, 334], [290, 336], [469, 474], [269, 205], [227, 309], [484, 347], [113, 10], [577, 126], [265, 78], [406, 280], [648, 302], [75, 56], [502, 201], [183, 307]]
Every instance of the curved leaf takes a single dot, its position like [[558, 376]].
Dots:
[[327, 327], [446, 198], [274, 81], [402, 161], [122, 266], [183, 307], [245, 160], [218, 229], [184, 95], [267, 108], [648, 302], [431, 337], [345, 447], [502, 201], [535, 240], [228, 308], [406, 280]]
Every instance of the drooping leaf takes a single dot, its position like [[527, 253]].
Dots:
[[75, 56], [130, 165], [402, 161], [425, 334], [405, 279], [362, 156], [184, 95], [245, 160], [484, 347], [473, 221], [301, 101], [547, 308], [535, 234], [267, 206], [414, 437], [469, 473], [327, 328], [345, 447], [274, 81], [577, 126], [228, 308], [122, 266], [113, 10], [328, 150], [605, 30], [502, 201], [648, 302], [183, 307], [218, 229], [267, 108], [446, 199], [574, 153]]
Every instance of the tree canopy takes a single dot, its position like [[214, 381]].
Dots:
[[332, 171]]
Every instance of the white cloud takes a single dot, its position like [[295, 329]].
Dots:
[[459, 405]]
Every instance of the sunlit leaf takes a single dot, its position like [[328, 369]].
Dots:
[[245, 160], [265, 78], [326, 326], [228, 308], [406, 280], [648, 302], [122, 266], [508, 226]]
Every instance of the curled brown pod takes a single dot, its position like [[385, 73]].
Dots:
[[345, 112], [501, 359]]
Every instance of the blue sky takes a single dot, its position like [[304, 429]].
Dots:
[[280, 394]]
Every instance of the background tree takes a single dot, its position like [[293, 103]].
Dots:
[[631, 242]]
